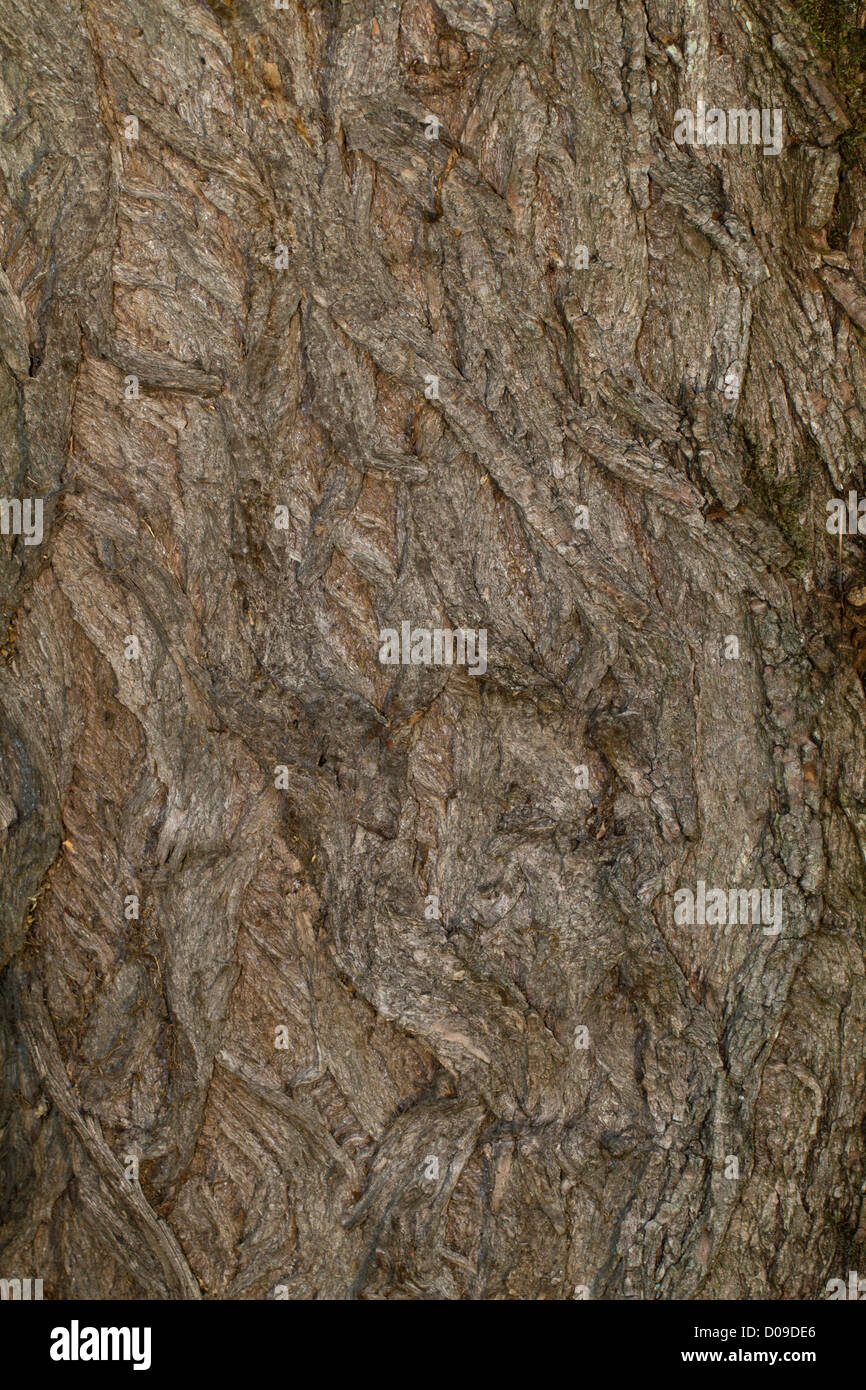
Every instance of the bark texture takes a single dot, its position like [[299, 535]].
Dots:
[[335, 1088]]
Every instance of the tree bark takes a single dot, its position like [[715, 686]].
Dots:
[[329, 978]]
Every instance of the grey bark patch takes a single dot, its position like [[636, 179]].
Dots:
[[373, 972]]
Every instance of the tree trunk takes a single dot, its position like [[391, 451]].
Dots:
[[334, 968]]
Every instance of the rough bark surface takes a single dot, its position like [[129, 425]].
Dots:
[[283, 257]]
